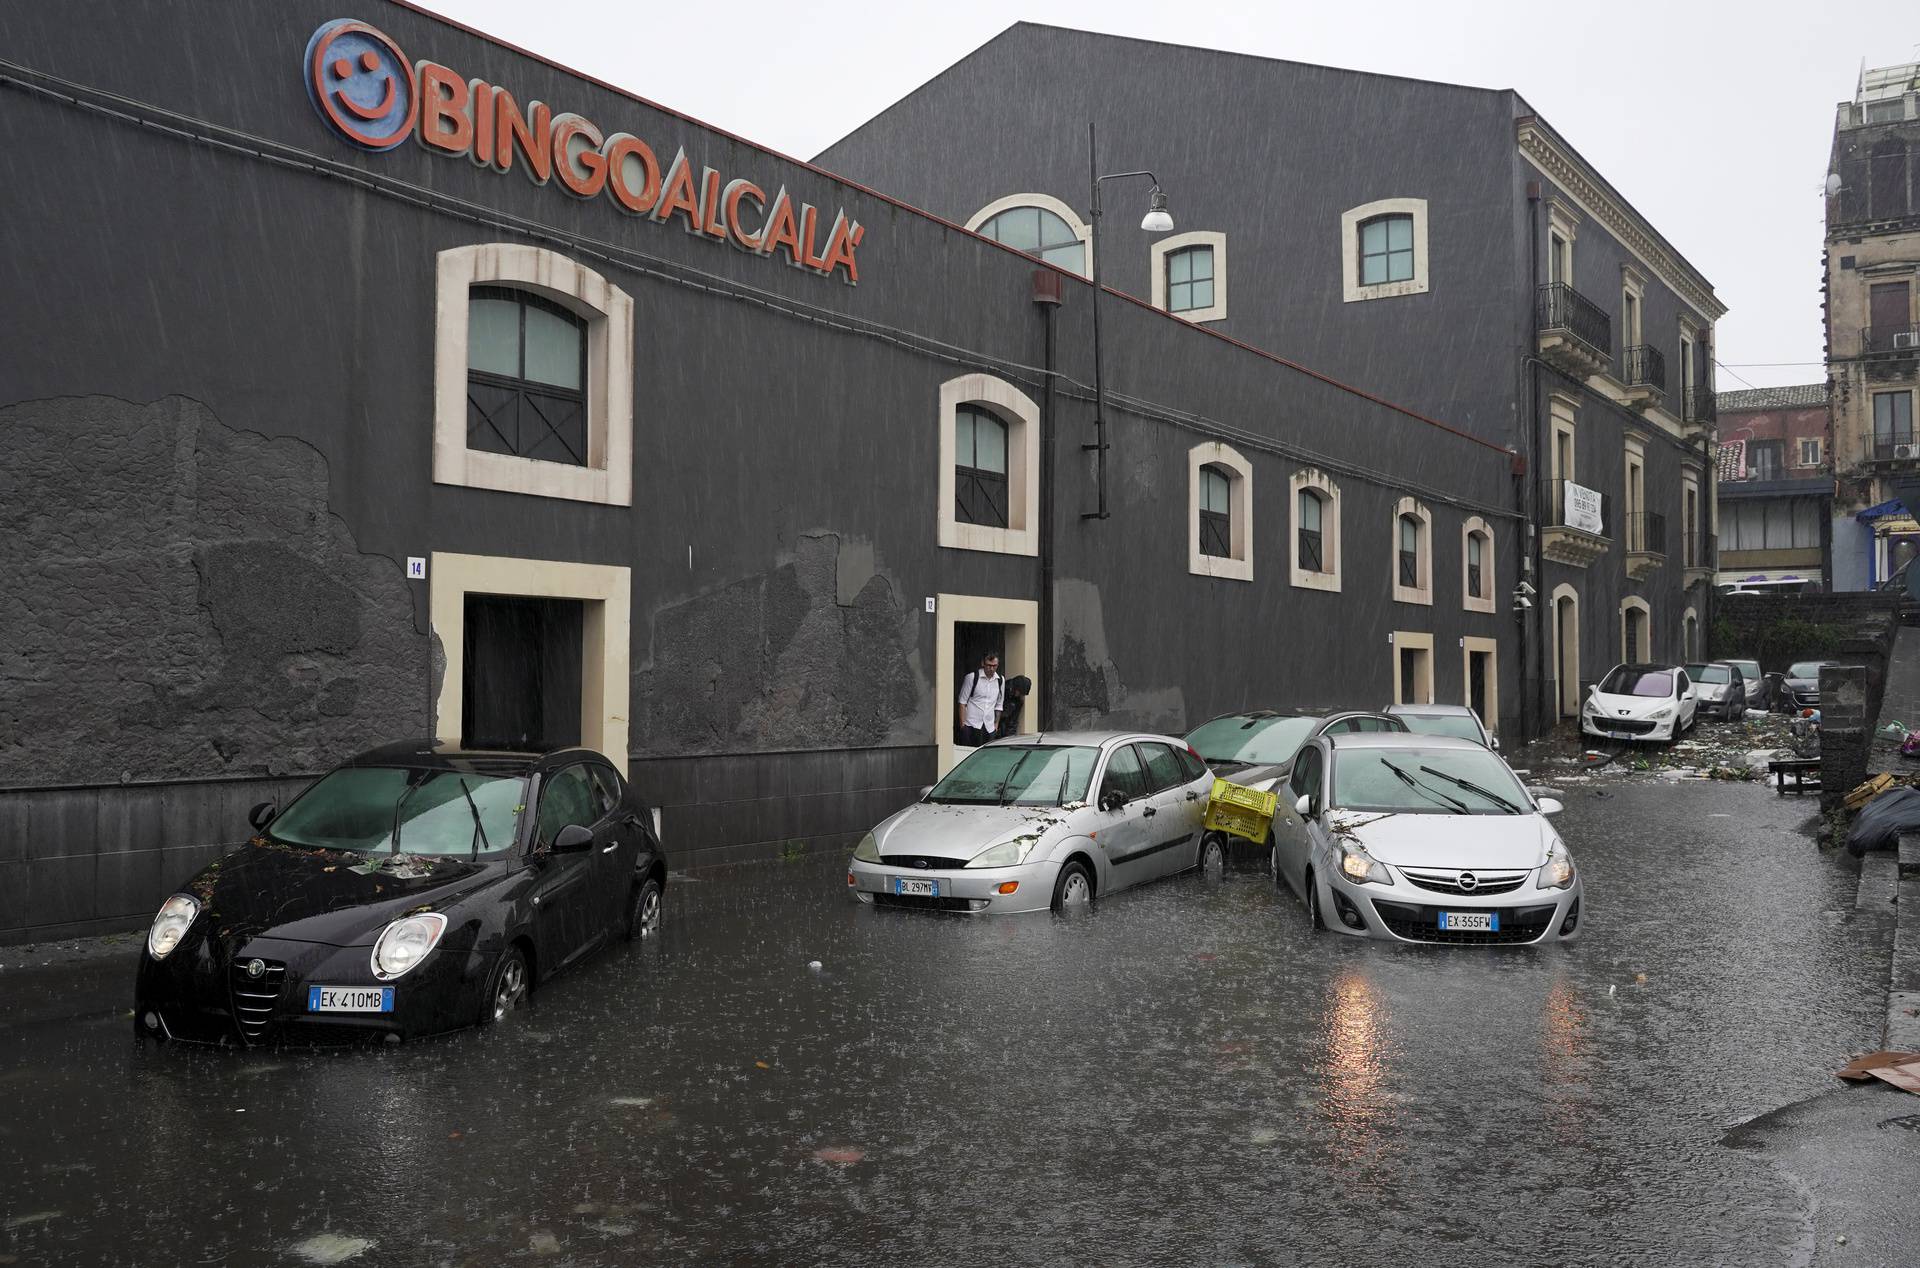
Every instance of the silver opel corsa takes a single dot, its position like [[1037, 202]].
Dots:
[[1422, 838], [1042, 821]]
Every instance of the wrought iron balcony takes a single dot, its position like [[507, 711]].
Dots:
[[1698, 405], [1895, 446], [1644, 371], [1703, 549], [1574, 332], [1890, 341]]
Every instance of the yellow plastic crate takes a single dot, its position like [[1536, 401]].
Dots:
[[1240, 812]]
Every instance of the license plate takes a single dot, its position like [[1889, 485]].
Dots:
[[349, 999], [1471, 921], [914, 886]]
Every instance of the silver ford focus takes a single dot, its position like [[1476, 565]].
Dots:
[[1422, 838], [1042, 821]]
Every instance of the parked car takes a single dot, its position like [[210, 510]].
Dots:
[[1444, 719], [1034, 822], [1640, 702], [1256, 749], [415, 889], [1422, 838], [1800, 689], [1719, 689]]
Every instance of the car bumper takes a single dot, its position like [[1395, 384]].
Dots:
[[1404, 912], [1628, 728], [963, 891], [198, 995]]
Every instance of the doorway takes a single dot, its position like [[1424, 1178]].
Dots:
[[521, 672], [974, 641], [1566, 649], [1413, 668], [969, 627], [1636, 642], [1482, 670]]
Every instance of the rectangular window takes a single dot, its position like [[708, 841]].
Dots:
[[1557, 258], [1311, 554], [526, 377], [1409, 552], [1190, 279], [1629, 319], [1386, 250], [1764, 458], [1806, 524], [1473, 566], [1216, 521], [1809, 452], [1892, 424], [980, 468]]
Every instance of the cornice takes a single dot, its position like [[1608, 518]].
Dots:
[[1580, 185]]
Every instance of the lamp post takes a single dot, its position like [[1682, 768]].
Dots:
[[1157, 220]]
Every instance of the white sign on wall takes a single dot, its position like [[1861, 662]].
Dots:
[[1582, 509], [416, 568]]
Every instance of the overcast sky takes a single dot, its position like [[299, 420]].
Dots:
[[1714, 119]]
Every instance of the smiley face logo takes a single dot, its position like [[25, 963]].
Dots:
[[361, 83]]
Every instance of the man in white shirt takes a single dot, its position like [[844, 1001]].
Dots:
[[982, 695]]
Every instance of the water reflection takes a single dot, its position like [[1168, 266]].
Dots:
[[1356, 1100]]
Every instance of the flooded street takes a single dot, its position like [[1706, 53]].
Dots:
[[1185, 1074]]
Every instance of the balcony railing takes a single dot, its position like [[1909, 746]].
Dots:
[[1697, 405], [1561, 308], [1647, 532], [1895, 446], [1889, 340], [1643, 366], [1702, 549], [1557, 516]]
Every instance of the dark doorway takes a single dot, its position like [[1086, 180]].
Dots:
[[1416, 675], [520, 686], [973, 640], [1477, 685]]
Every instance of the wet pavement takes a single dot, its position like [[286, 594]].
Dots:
[[1186, 1074]]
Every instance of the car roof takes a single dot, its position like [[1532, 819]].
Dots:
[[1430, 710], [1084, 739], [1647, 667], [1402, 740], [433, 754]]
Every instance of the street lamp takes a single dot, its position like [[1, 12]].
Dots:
[[1157, 220]]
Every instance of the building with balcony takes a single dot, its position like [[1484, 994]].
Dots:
[[1775, 485], [1873, 324], [1443, 245]]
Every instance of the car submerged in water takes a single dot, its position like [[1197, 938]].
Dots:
[[1039, 822], [413, 890]]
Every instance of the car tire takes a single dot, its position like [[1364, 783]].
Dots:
[[1314, 921], [1212, 858], [1073, 888], [507, 987], [643, 914]]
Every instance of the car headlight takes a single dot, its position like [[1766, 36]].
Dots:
[[1557, 871], [1665, 711], [868, 851], [1006, 854], [176, 916], [1360, 867], [406, 942]]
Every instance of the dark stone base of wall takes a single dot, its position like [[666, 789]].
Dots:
[[98, 859]]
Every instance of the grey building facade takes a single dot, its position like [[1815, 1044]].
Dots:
[[1442, 245], [326, 425]]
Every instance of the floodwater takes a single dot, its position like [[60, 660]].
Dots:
[[1184, 1075]]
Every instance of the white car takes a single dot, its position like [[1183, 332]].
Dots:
[[1422, 838], [1640, 702], [1018, 826]]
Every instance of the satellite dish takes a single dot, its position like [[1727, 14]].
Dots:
[[1833, 183]]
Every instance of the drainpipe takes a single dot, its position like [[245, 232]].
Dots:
[[1528, 479], [1046, 297]]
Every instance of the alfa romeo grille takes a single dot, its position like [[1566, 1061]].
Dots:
[[1447, 880], [254, 997]]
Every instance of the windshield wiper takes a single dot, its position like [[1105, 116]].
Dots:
[[479, 829], [1431, 794], [400, 805], [1472, 787]]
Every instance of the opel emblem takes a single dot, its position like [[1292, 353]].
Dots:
[[1469, 882], [256, 967]]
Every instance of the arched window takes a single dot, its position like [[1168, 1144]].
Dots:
[[1311, 511], [1477, 579], [1476, 584], [1409, 558], [1412, 552], [1040, 233], [1216, 511], [1386, 249], [526, 376], [980, 468]]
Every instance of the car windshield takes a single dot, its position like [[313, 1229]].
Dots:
[[1250, 740], [1806, 669], [1458, 725], [1019, 775], [1709, 673], [1426, 781], [1637, 682], [373, 808]]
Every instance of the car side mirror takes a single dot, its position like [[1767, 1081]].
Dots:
[[573, 839], [1112, 799], [1303, 806], [925, 791], [1549, 805], [261, 815], [1493, 741], [1593, 688]]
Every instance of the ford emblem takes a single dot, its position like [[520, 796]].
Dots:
[[921, 864], [256, 967], [1469, 882]]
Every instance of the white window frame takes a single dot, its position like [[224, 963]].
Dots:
[[607, 478], [1350, 219], [1815, 441], [1238, 565], [1166, 246], [1017, 410], [1634, 285], [1423, 565], [1320, 482], [1476, 525], [1563, 222], [1046, 202]]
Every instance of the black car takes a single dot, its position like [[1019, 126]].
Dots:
[[412, 890], [1800, 689]]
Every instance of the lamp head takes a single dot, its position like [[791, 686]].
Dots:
[[1157, 219]]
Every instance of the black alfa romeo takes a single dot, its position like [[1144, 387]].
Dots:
[[413, 890]]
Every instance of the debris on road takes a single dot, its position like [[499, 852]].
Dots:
[[1880, 822], [1860, 1069]]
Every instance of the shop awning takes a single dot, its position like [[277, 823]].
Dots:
[[1889, 517]]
